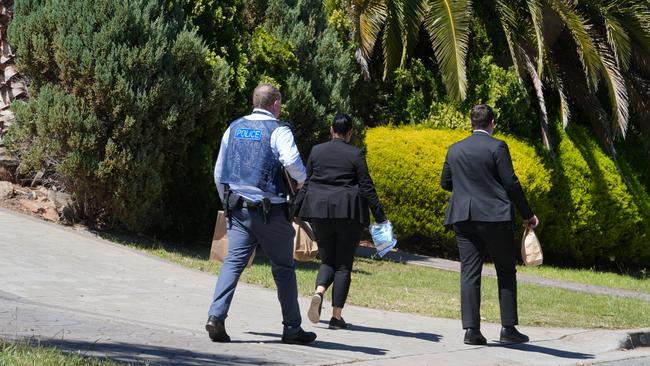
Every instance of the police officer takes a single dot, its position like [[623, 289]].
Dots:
[[248, 174]]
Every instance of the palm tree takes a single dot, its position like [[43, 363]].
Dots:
[[611, 40], [12, 86]]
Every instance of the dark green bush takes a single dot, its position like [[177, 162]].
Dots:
[[295, 45], [414, 89], [326, 75], [588, 215], [417, 98], [501, 88], [125, 108]]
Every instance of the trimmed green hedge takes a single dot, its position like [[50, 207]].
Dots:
[[597, 218], [587, 213]]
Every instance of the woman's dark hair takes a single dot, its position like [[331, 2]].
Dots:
[[341, 124]]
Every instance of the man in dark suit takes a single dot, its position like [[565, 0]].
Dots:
[[478, 171]]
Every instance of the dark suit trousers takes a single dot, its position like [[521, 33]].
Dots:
[[474, 239], [338, 240]]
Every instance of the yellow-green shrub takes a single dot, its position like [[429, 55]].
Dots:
[[587, 213], [406, 164], [597, 218]]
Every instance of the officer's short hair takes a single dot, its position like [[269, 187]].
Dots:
[[481, 116], [265, 95], [342, 123]]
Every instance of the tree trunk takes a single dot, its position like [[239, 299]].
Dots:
[[12, 87]]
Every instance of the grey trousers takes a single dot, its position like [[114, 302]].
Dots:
[[246, 229]]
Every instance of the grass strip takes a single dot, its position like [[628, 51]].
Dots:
[[637, 281], [25, 353]]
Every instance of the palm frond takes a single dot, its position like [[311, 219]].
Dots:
[[640, 61], [392, 42], [555, 75], [447, 23], [637, 21], [585, 100], [541, 101], [565, 110], [368, 17], [508, 23], [535, 10], [618, 40], [617, 90], [412, 16], [579, 29], [639, 88]]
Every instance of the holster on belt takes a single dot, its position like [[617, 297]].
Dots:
[[230, 201], [226, 196], [266, 209], [233, 201]]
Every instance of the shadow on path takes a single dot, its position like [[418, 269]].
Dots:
[[158, 355], [330, 345], [395, 332], [527, 347]]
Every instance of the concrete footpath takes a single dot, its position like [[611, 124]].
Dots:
[[84, 294]]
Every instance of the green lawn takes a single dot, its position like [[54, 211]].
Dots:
[[639, 283], [431, 292], [24, 354]]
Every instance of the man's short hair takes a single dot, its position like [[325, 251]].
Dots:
[[481, 116], [265, 95]]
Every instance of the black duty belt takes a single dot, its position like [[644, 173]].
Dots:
[[258, 205], [250, 204], [264, 207], [234, 201]]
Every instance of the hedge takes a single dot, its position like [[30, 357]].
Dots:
[[587, 213], [597, 217]]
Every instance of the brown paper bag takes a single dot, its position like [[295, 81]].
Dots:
[[304, 243], [220, 241], [531, 249]]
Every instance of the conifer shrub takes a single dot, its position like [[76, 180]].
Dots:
[[320, 79], [588, 215], [125, 108]]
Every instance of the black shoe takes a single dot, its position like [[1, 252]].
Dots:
[[301, 337], [474, 337], [314, 308], [337, 323], [512, 335], [216, 330]]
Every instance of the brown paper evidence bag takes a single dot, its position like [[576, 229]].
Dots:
[[531, 248], [304, 244]]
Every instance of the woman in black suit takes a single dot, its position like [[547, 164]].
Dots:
[[337, 194]]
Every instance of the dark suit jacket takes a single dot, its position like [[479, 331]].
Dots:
[[338, 185], [478, 171]]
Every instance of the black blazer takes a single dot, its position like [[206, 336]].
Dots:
[[338, 185], [478, 171]]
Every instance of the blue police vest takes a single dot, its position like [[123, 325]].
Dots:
[[249, 159]]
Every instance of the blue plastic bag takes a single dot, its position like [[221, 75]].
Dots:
[[382, 237]]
